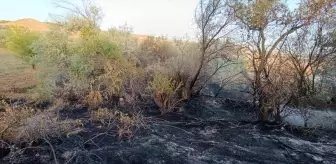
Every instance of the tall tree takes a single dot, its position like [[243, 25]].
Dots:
[[80, 13], [213, 19], [308, 50], [265, 25]]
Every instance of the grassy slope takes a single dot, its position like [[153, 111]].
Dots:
[[16, 76]]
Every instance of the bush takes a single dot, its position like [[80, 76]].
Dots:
[[94, 42], [180, 65], [165, 92], [89, 69], [27, 125], [154, 50], [126, 124], [94, 99], [19, 40], [3, 33], [61, 71], [122, 37]]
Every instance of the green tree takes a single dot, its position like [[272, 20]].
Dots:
[[19, 40]]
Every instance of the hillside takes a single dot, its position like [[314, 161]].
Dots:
[[31, 24], [35, 25]]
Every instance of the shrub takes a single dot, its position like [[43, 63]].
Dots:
[[103, 115], [153, 50], [94, 42], [52, 46], [126, 124], [122, 37], [44, 125], [3, 33], [165, 92], [27, 125], [80, 68], [94, 99], [181, 64], [19, 40], [111, 78]]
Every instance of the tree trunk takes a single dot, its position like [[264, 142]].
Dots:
[[301, 87], [194, 79], [313, 83], [261, 97]]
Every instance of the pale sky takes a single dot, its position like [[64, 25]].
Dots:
[[172, 18], [153, 17], [149, 17]]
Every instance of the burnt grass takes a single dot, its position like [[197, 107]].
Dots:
[[207, 130]]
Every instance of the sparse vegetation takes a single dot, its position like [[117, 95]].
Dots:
[[126, 124], [89, 77]]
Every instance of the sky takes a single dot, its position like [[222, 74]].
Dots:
[[172, 18]]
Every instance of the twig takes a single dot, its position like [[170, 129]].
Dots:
[[91, 139], [70, 159], [52, 149]]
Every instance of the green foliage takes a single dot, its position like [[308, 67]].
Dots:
[[52, 46], [107, 48], [74, 23], [165, 92], [93, 42], [89, 63], [157, 49], [3, 33], [78, 66], [162, 84], [19, 40], [111, 79]]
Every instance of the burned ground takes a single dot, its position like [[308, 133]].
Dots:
[[208, 130]]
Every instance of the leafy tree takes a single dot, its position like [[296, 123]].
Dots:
[[19, 40], [83, 13], [265, 25]]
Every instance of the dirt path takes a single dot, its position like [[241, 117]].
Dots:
[[16, 76]]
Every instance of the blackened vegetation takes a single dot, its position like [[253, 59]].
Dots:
[[206, 130]]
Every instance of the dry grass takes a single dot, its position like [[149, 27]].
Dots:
[[31, 24], [23, 124], [94, 99], [16, 76], [126, 124]]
